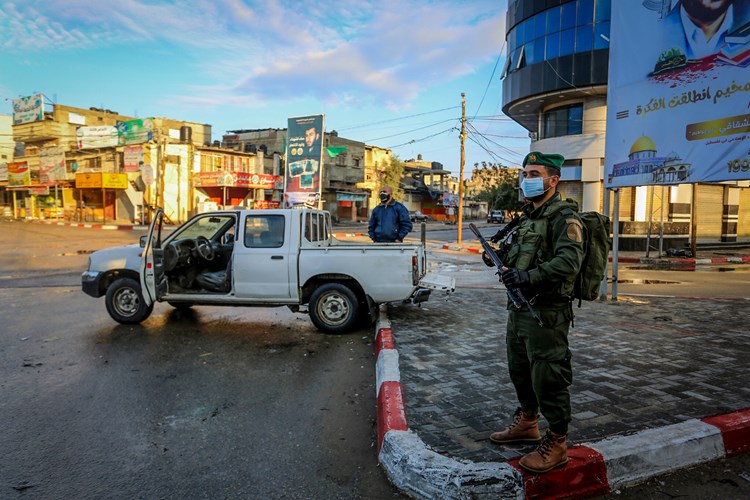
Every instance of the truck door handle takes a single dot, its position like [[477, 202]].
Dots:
[[277, 257]]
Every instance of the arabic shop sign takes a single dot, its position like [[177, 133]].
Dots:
[[234, 179], [101, 180]]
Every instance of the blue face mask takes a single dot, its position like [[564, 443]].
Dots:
[[533, 187]]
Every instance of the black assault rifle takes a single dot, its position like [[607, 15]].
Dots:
[[515, 294]]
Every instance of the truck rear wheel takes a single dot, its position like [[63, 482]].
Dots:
[[334, 308], [125, 302]]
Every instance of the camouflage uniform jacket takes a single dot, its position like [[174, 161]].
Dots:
[[548, 243]]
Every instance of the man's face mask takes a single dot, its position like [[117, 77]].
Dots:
[[384, 197], [533, 187]]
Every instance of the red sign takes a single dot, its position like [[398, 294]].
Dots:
[[267, 204]]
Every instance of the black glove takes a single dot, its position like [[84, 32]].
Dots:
[[495, 238], [513, 277], [487, 259]]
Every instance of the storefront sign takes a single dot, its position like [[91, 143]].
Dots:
[[39, 190], [96, 137], [101, 180], [351, 197], [234, 179], [28, 109], [267, 204]]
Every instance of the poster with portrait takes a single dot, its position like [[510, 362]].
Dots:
[[678, 103], [304, 161]]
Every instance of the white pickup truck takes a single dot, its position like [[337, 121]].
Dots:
[[284, 257]]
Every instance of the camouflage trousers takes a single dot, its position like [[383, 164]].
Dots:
[[539, 362]]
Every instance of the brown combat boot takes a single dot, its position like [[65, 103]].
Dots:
[[552, 452], [524, 428]]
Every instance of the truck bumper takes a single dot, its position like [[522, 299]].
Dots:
[[90, 283]]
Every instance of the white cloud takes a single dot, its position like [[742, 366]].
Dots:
[[342, 51]]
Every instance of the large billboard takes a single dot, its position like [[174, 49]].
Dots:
[[304, 161], [28, 109], [678, 102]]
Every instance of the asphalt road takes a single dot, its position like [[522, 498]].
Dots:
[[212, 403]]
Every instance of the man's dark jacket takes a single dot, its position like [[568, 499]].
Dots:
[[389, 222]]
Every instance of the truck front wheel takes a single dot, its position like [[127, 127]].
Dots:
[[125, 302], [334, 308]]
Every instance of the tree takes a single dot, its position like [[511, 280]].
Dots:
[[503, 195], [391, 175]]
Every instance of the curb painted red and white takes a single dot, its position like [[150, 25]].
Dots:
[[595, 468]]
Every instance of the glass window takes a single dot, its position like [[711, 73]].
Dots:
[[584, 38], [575, 119], [540, 25], [553, 46], [538, 49], [528, 30], [585, 12], [553, 19], [568, 15], [562, 121], [603, 11], [512, 38], [264, 231], [567, 42], [520, 36], [601, 30]]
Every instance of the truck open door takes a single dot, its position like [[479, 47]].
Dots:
[[153, 277]]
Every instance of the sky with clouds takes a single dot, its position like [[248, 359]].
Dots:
[[386, 72]]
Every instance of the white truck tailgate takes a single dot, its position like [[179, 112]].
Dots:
[[435, 281]]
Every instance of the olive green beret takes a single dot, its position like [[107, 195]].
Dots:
[[553, 160]]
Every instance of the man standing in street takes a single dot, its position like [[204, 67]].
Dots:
[[543, 258], [390, 221]]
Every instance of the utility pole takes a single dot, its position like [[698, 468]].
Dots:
[[461, 171]]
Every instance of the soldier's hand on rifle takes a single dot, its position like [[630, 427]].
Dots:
[[513, 277], [487, 259]]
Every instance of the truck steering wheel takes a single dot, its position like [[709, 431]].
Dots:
[[204, 248]]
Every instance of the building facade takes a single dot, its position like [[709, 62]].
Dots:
[[344, 164], [555, 86]]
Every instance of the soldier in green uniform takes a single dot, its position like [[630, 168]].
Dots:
[[542, 257]]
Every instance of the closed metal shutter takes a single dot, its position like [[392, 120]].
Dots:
[[743, 224], [710, 208]]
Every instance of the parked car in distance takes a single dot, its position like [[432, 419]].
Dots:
[[496, 217], [417, 216]]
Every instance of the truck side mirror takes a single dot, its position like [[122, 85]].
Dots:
[[228, 238], [143, 240]]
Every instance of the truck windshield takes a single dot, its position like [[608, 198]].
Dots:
[[209, 227]]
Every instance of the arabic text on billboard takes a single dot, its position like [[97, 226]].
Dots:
[[51, 165], [96, 137], [18, 173], [28, 109], [132, 158], [677, 106], [304, 153]]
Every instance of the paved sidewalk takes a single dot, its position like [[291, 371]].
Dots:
[[659, 383]]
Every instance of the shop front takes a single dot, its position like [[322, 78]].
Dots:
[[96, 196], [351, 205], [230, 189]]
